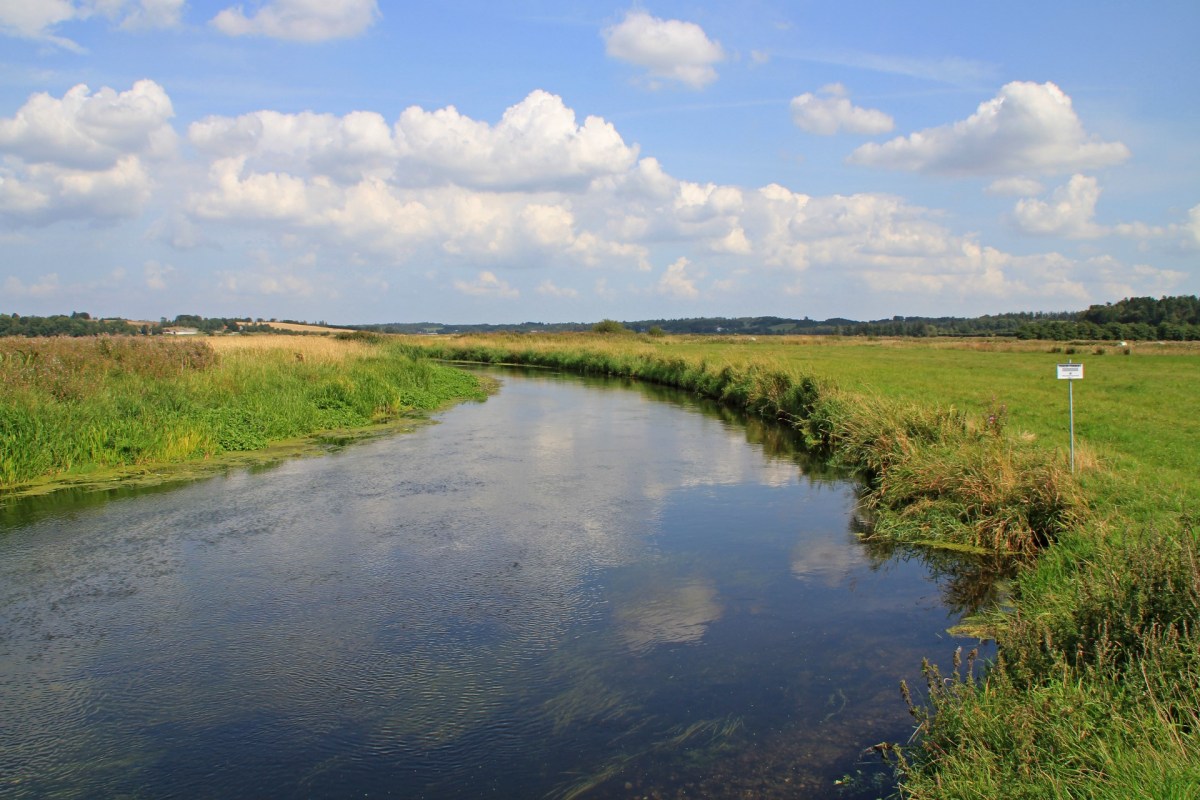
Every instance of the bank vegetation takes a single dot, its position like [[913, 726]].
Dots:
[[1095, 692], [77, 407]]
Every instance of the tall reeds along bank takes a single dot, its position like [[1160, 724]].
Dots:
[[70, 406], [931, 475], [1096, 692]]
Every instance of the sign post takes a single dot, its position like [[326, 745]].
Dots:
[[1071, 372]]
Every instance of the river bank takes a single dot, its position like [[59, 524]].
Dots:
[[80, 413], [1096, 690]]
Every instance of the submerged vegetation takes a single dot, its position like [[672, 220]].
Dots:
[[1096, 689], [75, 406]]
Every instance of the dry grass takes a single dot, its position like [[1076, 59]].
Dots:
[[296, 326], [315, 349]]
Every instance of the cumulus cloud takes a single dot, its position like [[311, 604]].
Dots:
[[538, 143], [1068, 212], [44, 193], [38, 19], [487, 285], [84, 155], [300, 20], [88, 130], [677, 282], [670, 49], [1027, 129], [832, 112]]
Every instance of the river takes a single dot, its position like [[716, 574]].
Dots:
[[575, 589]]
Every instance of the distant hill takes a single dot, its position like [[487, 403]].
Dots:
[[1132, 319], [1135, 318]]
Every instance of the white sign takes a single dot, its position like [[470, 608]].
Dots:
[[1070, 372]]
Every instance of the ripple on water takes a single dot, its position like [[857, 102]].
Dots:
[[560, 591]]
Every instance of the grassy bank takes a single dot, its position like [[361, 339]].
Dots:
[[71, 407], [1096, 692]]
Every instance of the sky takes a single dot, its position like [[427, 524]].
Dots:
[[355, 161]]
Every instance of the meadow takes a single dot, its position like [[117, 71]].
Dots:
[[963, 444], [71, 408]]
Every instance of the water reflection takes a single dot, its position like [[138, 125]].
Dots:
[[561, 591]]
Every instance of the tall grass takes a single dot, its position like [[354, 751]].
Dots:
[[1096, 690], [77, 405]]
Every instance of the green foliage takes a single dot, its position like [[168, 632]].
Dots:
[[75, 405], [609, 326], [77, 324], [1096, 692]]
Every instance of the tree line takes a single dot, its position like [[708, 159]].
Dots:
[[81, 323], [1130, 319]]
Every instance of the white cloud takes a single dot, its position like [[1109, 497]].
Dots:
[[833, 113], [1183, 234], [46, 193], [300, 20], [84, 156], [148, 14], [46, 286], [670, 49], [1028, 128], [547, 289], [38, 19], [537, 143], [1068, 212], [88, 130], [1024, 187], [487, 285], [257, 196], [676, 281], [345, 148]]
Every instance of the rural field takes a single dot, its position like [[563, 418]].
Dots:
[[960, 444]]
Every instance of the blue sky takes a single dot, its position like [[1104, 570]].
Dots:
[[362, 161]]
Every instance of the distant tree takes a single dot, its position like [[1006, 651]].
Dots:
[[609, 326], [656, 331]]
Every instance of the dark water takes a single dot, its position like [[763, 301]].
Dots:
[[571, 590]]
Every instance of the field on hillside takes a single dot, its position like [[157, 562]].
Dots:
[[302, 328]]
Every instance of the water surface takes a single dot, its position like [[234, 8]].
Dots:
[[571, 590]]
